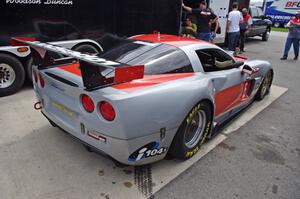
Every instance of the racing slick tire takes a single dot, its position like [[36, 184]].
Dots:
[[265, 86], [86, 48], [12, 75], [192, 132]]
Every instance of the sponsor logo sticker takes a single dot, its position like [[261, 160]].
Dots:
[[150, 150], [63, 109]]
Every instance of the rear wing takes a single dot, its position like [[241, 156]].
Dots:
[[96, 72]]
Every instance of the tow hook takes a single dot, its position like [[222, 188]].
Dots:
[[37, 106]]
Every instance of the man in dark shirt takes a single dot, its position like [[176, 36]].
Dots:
[[204, 17]]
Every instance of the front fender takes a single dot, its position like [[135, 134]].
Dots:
[[264, 66]]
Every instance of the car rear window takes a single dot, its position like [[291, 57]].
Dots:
[[157, 58]]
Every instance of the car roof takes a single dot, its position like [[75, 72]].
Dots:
[[173, 40]]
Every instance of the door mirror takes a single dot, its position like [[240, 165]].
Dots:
[[249, 70]]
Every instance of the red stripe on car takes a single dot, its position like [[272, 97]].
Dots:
[[72, 68], [150, 80], [228, 98], [147, 81]]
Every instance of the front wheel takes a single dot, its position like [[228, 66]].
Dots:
[[265, 86], [192, 132], [266, 35]]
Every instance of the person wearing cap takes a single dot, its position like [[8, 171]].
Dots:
[[204, 17], [293, 37]]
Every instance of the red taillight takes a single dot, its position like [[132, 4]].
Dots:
[[42, 81], [35, 76], [107, 111], [87, 103]]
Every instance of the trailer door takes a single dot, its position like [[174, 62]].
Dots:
[[221, 9]]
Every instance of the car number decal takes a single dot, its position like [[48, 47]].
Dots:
[[150, 150]]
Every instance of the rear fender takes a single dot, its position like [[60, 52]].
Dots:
[[165, 106]]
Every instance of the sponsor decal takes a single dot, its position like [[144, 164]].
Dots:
[[58, 2], [192, 113], [192, 152], [150, 150], [63, 109], [45, 2], [205, 133], [292, 5], [195, 150], [280, 17]]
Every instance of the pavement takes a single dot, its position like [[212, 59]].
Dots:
[[259, 158]]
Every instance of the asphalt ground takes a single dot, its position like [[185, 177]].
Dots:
[[261, 159]]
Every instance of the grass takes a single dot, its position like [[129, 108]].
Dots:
[[280, 29]]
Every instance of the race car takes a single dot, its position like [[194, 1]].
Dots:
[[147, 96]]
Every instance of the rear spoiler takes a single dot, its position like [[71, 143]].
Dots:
[[96, 72]]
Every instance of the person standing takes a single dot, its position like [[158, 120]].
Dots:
[[233, 27], [293, 37], [204, 17], [244, 28]]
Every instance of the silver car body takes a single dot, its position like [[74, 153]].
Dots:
[[147, 117]]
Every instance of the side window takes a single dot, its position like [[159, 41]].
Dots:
[[215, 60], [171, 62]]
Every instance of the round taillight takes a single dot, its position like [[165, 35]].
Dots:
[[107, 111], [87, 103], [35, 76], [42, 81]]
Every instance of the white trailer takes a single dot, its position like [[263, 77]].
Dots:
[[221, 9]]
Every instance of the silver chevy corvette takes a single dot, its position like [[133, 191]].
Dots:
[[147, 96]]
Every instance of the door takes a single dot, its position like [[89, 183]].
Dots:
[[221, 9], [229, 83]]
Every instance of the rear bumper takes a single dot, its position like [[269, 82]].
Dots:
[[119, 149]]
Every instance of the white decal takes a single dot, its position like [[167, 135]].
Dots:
[[23, 1], [45, 2], [59, 2]]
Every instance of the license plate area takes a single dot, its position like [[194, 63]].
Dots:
[[63, 109]]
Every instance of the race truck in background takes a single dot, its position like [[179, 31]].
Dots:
[[281, 11], [83, 26]]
